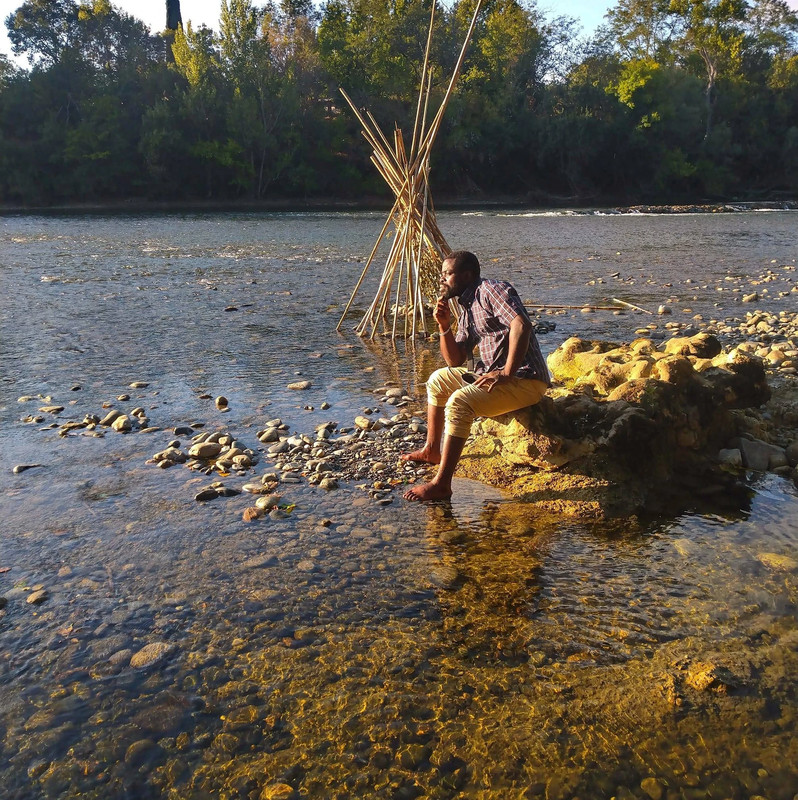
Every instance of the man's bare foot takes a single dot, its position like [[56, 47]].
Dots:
[[427, 492], [424, 456]]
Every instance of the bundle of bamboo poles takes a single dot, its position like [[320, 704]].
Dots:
[[412, 270]]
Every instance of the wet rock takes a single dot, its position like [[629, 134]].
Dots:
[[221, 402], [251, 514], [51, 409], [19, 468], [778, 562], [445, 577], [703, 676], [139, 385], [299, 385], [141, 752], [579, 450], [122, 424], [150, 654], [278, 791], [760, 456], [730, 457], [37, 597], [206, 494], [653, 788], [109, 418], [268, 501], [205, 450]]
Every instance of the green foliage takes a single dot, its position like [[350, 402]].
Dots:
[[671, 100]]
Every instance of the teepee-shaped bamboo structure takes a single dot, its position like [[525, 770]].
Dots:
[[411, 274]]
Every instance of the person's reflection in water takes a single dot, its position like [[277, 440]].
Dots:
[[487, 570]]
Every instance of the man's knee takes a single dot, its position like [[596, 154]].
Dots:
[[459, 414], [439, 388]]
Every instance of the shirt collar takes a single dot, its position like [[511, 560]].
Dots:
[[468, 294]]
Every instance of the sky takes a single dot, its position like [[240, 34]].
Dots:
[[206, 12]]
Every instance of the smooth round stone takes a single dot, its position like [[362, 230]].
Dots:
[[278, 791], [150, 654], [108, 419], [221, 402], [777, 562], [37, 597], [140, 752], [122, 424], [19, 468], [268, 501], [205, 450], [300, 385]]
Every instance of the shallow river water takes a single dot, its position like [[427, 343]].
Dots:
[[352, 649]]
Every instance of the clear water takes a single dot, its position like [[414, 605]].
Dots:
[[481, 650]]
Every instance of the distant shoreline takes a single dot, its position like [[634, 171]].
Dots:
[[383, 205]]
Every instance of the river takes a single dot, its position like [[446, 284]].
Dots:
[[351, 649]]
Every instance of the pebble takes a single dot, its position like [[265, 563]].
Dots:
[[139, 385], [37, 597], [150, 654], [221, 402], [299, 385], [777, 562], [278, 791], [23, 467]]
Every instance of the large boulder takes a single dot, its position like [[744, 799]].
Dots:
[[630, 427]]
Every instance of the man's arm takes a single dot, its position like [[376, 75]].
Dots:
[[517, 345], [453, 354]]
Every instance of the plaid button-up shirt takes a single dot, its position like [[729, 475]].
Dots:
[[486, 310]]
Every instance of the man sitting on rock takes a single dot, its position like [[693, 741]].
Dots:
[[510, 374]]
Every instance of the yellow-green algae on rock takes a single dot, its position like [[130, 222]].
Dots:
[[627, 428]]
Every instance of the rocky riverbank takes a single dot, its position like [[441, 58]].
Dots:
[[628, 427], [647, 427]]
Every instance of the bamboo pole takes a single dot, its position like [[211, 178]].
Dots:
[[368, 264], [575, 308], [429, 139], [421, 92], [418, 241], [630, 305]]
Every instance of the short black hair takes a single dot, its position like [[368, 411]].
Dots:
[[464, 261]]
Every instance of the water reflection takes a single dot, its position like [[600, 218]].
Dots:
[[477, 650]]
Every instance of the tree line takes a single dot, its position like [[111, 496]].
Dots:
[[670, 101]]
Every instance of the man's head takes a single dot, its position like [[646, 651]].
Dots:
[[459, 270]]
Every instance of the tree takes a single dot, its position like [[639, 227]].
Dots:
[[174, 19], [641, 29], [43, 29], [713, 29]]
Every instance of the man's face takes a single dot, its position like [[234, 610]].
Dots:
[[453, 281]]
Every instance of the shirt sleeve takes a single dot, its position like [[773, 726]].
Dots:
[[504, 302]]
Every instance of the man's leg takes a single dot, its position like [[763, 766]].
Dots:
[[440, 487], [431, 452], [440, 386], [462, 408]]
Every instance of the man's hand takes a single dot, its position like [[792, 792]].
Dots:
[[443, 314], [491, 379]]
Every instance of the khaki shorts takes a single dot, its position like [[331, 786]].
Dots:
[[464, 401]]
